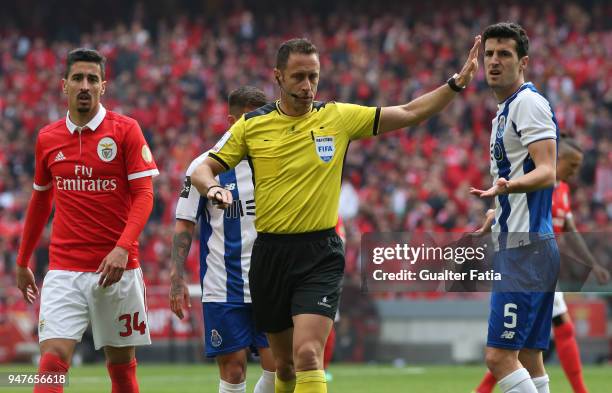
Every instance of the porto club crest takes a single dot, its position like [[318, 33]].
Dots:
[[501, 126], [215, 338]]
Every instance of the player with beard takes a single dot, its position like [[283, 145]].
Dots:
[[97, 167]]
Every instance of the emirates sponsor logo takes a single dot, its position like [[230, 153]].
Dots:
[[83, 180], [80, 184]]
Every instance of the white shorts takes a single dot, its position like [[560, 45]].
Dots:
[[118, 314], [559, 306]]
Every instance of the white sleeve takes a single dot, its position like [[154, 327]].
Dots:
[[187, 207], [189, 202], [534, 120]]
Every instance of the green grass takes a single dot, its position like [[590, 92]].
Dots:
[[348, 378]]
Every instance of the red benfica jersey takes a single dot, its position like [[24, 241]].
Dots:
[[560, 206], [89, 169]]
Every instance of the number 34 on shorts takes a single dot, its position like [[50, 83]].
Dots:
[[132, 324]]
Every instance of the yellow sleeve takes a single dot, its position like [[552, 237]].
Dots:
[[232, 147], [359, 121]]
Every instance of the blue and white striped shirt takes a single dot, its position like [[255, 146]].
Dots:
[[226, 236], [523, 118]]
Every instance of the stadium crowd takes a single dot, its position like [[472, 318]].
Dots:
[[173, 75]]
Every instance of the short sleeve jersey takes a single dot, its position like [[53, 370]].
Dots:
[[89, 169], [523, 118], [226, 236], [297, 161]]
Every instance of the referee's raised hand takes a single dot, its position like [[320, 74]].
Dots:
[[471, 65], [219, 196]]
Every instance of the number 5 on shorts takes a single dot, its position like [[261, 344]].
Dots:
[[129, 326], [509, 309]]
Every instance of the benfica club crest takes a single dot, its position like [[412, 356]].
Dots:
[[107, 149], [325, 147]]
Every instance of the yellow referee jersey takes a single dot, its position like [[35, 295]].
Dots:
[[297, 161]]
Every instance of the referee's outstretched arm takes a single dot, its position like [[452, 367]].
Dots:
[[203, 178], [427, 105]]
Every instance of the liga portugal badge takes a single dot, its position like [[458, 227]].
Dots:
[[146, 154]]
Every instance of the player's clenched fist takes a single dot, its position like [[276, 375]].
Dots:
[[219, 196]]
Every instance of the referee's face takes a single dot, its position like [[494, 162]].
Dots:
[[299, 81]]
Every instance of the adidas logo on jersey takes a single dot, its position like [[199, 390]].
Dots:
[[507, 334], [60, 156]]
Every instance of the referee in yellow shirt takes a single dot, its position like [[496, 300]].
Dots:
[[297, 147]]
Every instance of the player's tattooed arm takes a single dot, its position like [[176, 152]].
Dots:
[[181, 244]]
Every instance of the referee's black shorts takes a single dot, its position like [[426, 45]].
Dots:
[[295, 274]]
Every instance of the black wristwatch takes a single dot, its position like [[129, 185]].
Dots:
[[452, 83]]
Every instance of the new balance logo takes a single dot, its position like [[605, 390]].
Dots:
[[60, 156], [507, 334]]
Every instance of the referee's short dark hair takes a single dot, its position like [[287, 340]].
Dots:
[[246, 96], [509, 30], [85, 54], [295, 45]]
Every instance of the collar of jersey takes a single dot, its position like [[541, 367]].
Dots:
[[513, 95], [283, 114], [93, 123]]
